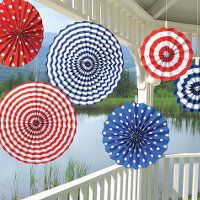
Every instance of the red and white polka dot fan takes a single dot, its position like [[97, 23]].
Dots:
[[21, 33], [166, 54], [37, 123]]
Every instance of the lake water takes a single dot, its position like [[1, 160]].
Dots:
[[87, 147]]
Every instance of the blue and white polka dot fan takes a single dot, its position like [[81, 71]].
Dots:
[[86, 62], [135, 135]]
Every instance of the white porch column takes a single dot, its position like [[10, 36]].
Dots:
[[145, 86]]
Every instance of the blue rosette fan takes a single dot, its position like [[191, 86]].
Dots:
[[85, 61], [187, 89], [135, 135]]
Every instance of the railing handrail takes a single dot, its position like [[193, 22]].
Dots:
[[182, 155], [75, 184], [67, 187]]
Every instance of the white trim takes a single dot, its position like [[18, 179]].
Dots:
[[159, 7]]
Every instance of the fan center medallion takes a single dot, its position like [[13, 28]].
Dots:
[[166, 54], [197, 90], [137, 137], [36, 123], [87, 64]]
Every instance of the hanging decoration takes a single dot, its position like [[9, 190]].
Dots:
[[38, 123], [187, 89], [21, 33], [85, 61], [166, 54], [135, 135]]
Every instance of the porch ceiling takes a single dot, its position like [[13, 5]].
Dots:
[[182, 11]]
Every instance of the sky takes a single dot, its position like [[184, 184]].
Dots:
[[52, 20]]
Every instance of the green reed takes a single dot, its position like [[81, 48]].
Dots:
[[15, 188]]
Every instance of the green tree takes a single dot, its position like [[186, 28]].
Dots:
[[10, 83], [126, 86], [31, 76]]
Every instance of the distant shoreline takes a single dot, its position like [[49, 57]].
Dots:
[[167, 106]]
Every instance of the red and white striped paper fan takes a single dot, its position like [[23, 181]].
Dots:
[[38, 123], [166, 54], [21, 32]]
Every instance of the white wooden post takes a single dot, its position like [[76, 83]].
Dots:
[[84, 193], [198, 46], [119, 185], [175, 192], [186, 171], [165, 187], [195, 178]]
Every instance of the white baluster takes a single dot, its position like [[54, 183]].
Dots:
[[78, 5], [155, 180], [198, 46], [121, 22], [130, 184], [116, 19], [137, 34], [92, 191], [195, 178], [150, 182], [111, 19], [84, 193], [61, 197], [132, 30], [89, 9], [165, 187], [127, 26], [107, 188], [186, 175], [104, 13], [113, 187], [73, 195], [134, 189], [124, 188], [96, 11], [142, 32], [100, 190], [119, 185], [175, 192]]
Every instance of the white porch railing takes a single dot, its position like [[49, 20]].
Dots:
[[180, 173]]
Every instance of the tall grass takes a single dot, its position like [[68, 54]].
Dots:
[[33, 180], [81, 169], [70, 171], [15, 188], [52, 177]]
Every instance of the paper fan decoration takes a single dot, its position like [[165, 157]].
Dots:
[[21, 33], [86, 62], [187, 89], [38, 123], [166, 54], [135, 135]]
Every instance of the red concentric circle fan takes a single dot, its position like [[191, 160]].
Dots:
[[166, 54], [21, 33], [38, 123]]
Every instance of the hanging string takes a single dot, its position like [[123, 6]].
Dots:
[[166, 9], [197, 28], [36, 66]]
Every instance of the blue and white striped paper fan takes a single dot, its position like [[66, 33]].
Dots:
[[135, 135], [187, 89], [85, 61]]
